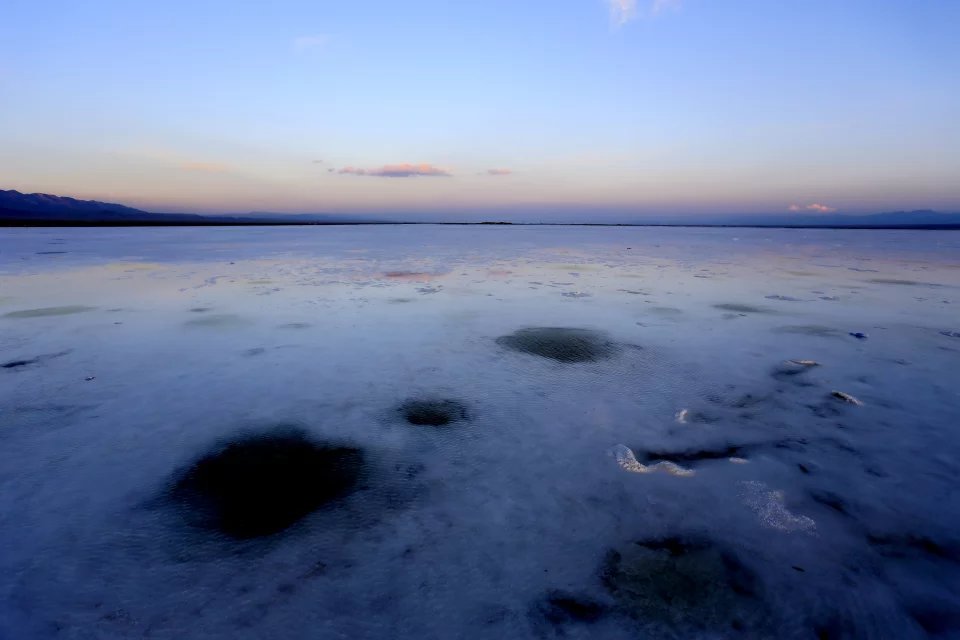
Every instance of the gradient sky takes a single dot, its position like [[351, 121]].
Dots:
[[452, 108]]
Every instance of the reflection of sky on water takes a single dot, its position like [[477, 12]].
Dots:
[[194, 334]]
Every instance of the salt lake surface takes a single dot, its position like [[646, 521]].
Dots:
[[479, 432]]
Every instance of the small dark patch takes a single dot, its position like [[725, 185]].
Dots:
[[825, 409], [690, 457], [408, 275], [783, 298], [834, 628], [816, 330], [255, 351], [831, 500], [16, 364], [200, 309], [792, 370], [13, 364], [433, 413], [49, 311], [741, 308], [560, 343], [906, 283], [296, 325], [907, 545], [562, 607], [937, 621], [747, 401], [688, 583], [263, 483], [858, 335], [695, 455], [50, 253], [951, 334]]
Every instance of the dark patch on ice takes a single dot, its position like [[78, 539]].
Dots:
[[817, 330], [858, 335], [748, 400], [296, 325], [255, 351], [575, 294], [783, 298], [223, 320], [200, 309], [942, 620], [719, 452], [906, 283], [19, 363], [562, 607], [666, 311], [688, 584], [830, 500], [825, 409], [49, 311], [16, 364], [50, 253], [742, 308], [562, 344], [433, 413], [915, 544], [793, 370], [260, 484], [951, 334], [399, 300]]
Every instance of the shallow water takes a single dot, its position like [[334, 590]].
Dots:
[[544, 501]]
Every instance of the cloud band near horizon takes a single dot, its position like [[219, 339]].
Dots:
[[404, 170]]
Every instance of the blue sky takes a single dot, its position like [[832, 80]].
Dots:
[[457, 108]]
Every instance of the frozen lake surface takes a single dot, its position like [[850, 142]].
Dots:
[[649, 433]]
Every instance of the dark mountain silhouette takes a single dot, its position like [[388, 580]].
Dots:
[[41, 209], [46, 203]]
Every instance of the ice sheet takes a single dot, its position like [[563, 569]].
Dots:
[[132, 352]]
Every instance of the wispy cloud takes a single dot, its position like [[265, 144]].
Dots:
[[309, 43], [205, 167], [659, 6], [623, 11], [819, 208], [498, 172], [398, 171]]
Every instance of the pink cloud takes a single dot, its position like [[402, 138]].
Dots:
[[499, 172], [405, 170], [819, 208]]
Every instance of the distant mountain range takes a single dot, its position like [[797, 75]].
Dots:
[[41, 209]]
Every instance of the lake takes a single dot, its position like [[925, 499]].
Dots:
[[479, 432]]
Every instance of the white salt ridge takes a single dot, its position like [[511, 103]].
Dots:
[[628, 462], [771, 509]]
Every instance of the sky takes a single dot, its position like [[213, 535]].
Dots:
[[455, 109]]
